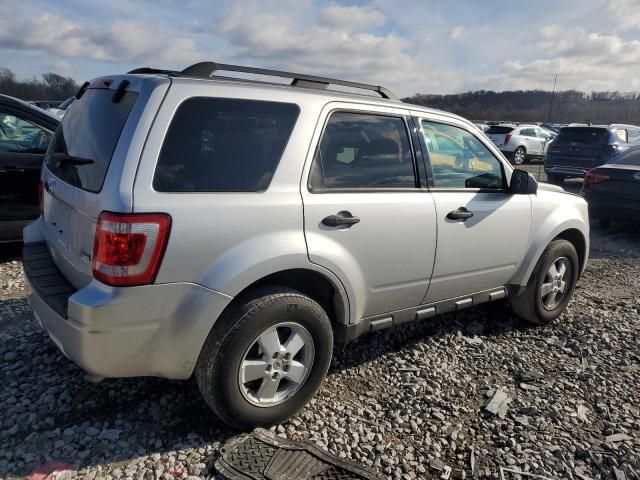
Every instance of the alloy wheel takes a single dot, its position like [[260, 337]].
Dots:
[[276, 364], [555, 287]]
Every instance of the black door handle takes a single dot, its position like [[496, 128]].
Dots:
[[460, 214], [341, 218]]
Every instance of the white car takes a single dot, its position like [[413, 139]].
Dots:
[[61, 109], [521, 142]]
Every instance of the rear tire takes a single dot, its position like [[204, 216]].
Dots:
[[519, 156], [547, 293], [265, 358]]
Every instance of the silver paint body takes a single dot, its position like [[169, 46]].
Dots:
[[403, 254]]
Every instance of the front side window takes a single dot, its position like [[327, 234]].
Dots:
[[361, 150], [459, 160], [21, 136], [224, 145]]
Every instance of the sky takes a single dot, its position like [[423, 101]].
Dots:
[[409, 46]]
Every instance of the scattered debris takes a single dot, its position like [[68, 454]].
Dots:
[[498, 404], [582, 413], [618, 437], [619, 474], [519, 472]]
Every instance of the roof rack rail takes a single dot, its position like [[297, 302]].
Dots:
[[208, 69]]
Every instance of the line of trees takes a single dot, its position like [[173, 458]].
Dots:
[[520, 106], [535, 106], [50, 86]]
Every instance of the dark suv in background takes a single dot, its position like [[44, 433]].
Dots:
[[578, 149]]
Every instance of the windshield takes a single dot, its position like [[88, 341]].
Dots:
[[587, 135], [90, 131], [497, 130], [628, 157]]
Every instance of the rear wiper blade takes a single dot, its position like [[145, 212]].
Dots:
[[64, 158]]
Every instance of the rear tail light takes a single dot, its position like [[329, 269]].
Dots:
[[128, 248], [591, 178], [41, 196], [506, 139]]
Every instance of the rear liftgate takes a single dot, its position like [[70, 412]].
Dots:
[[261, 455]]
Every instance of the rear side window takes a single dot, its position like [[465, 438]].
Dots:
[[83, 144], [586, 135], [364, 151], [224, 145], [498, 130]]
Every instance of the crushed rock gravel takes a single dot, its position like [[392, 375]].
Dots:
[[474, 391]]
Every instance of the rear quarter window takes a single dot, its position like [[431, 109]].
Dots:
[[224, 145]]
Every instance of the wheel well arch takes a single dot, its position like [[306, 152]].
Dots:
[[577, 239], [313, 284]]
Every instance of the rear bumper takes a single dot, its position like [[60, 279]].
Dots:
[[154, 330], [619, 210], [566, 171]]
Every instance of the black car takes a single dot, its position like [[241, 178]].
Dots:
[[579, 148], [613, 190], [25, 131]]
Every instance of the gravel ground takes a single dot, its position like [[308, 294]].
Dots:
[[563, 399]]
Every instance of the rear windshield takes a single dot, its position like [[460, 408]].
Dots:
[[224, 145], [586, 135], [84, 141], [628, 157], [497, 130]]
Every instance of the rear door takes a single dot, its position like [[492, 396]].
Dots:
[[366, 216], [90, 167], [531, 141]]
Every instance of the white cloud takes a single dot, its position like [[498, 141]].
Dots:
[[625, 13], [332, 45], [351, 17], [457, 32], [121, 41]]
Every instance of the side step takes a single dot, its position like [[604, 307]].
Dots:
[[262, 455]]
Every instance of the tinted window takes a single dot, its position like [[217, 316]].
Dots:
[[224, 145], [363, 151], [459, 159], [83, 144], [587, 135], [497, 130], [21, 136]]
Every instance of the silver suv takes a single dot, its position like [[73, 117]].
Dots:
[[236, 230]]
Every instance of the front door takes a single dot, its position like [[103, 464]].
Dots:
[[483, 230], [366, 217], [22, 148]]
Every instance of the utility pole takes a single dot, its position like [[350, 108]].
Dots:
[[553, 94]]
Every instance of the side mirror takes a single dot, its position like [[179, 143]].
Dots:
[[522, 183]]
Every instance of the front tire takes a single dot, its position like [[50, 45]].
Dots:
[[551, 285], [519, 156], [265, 358]]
